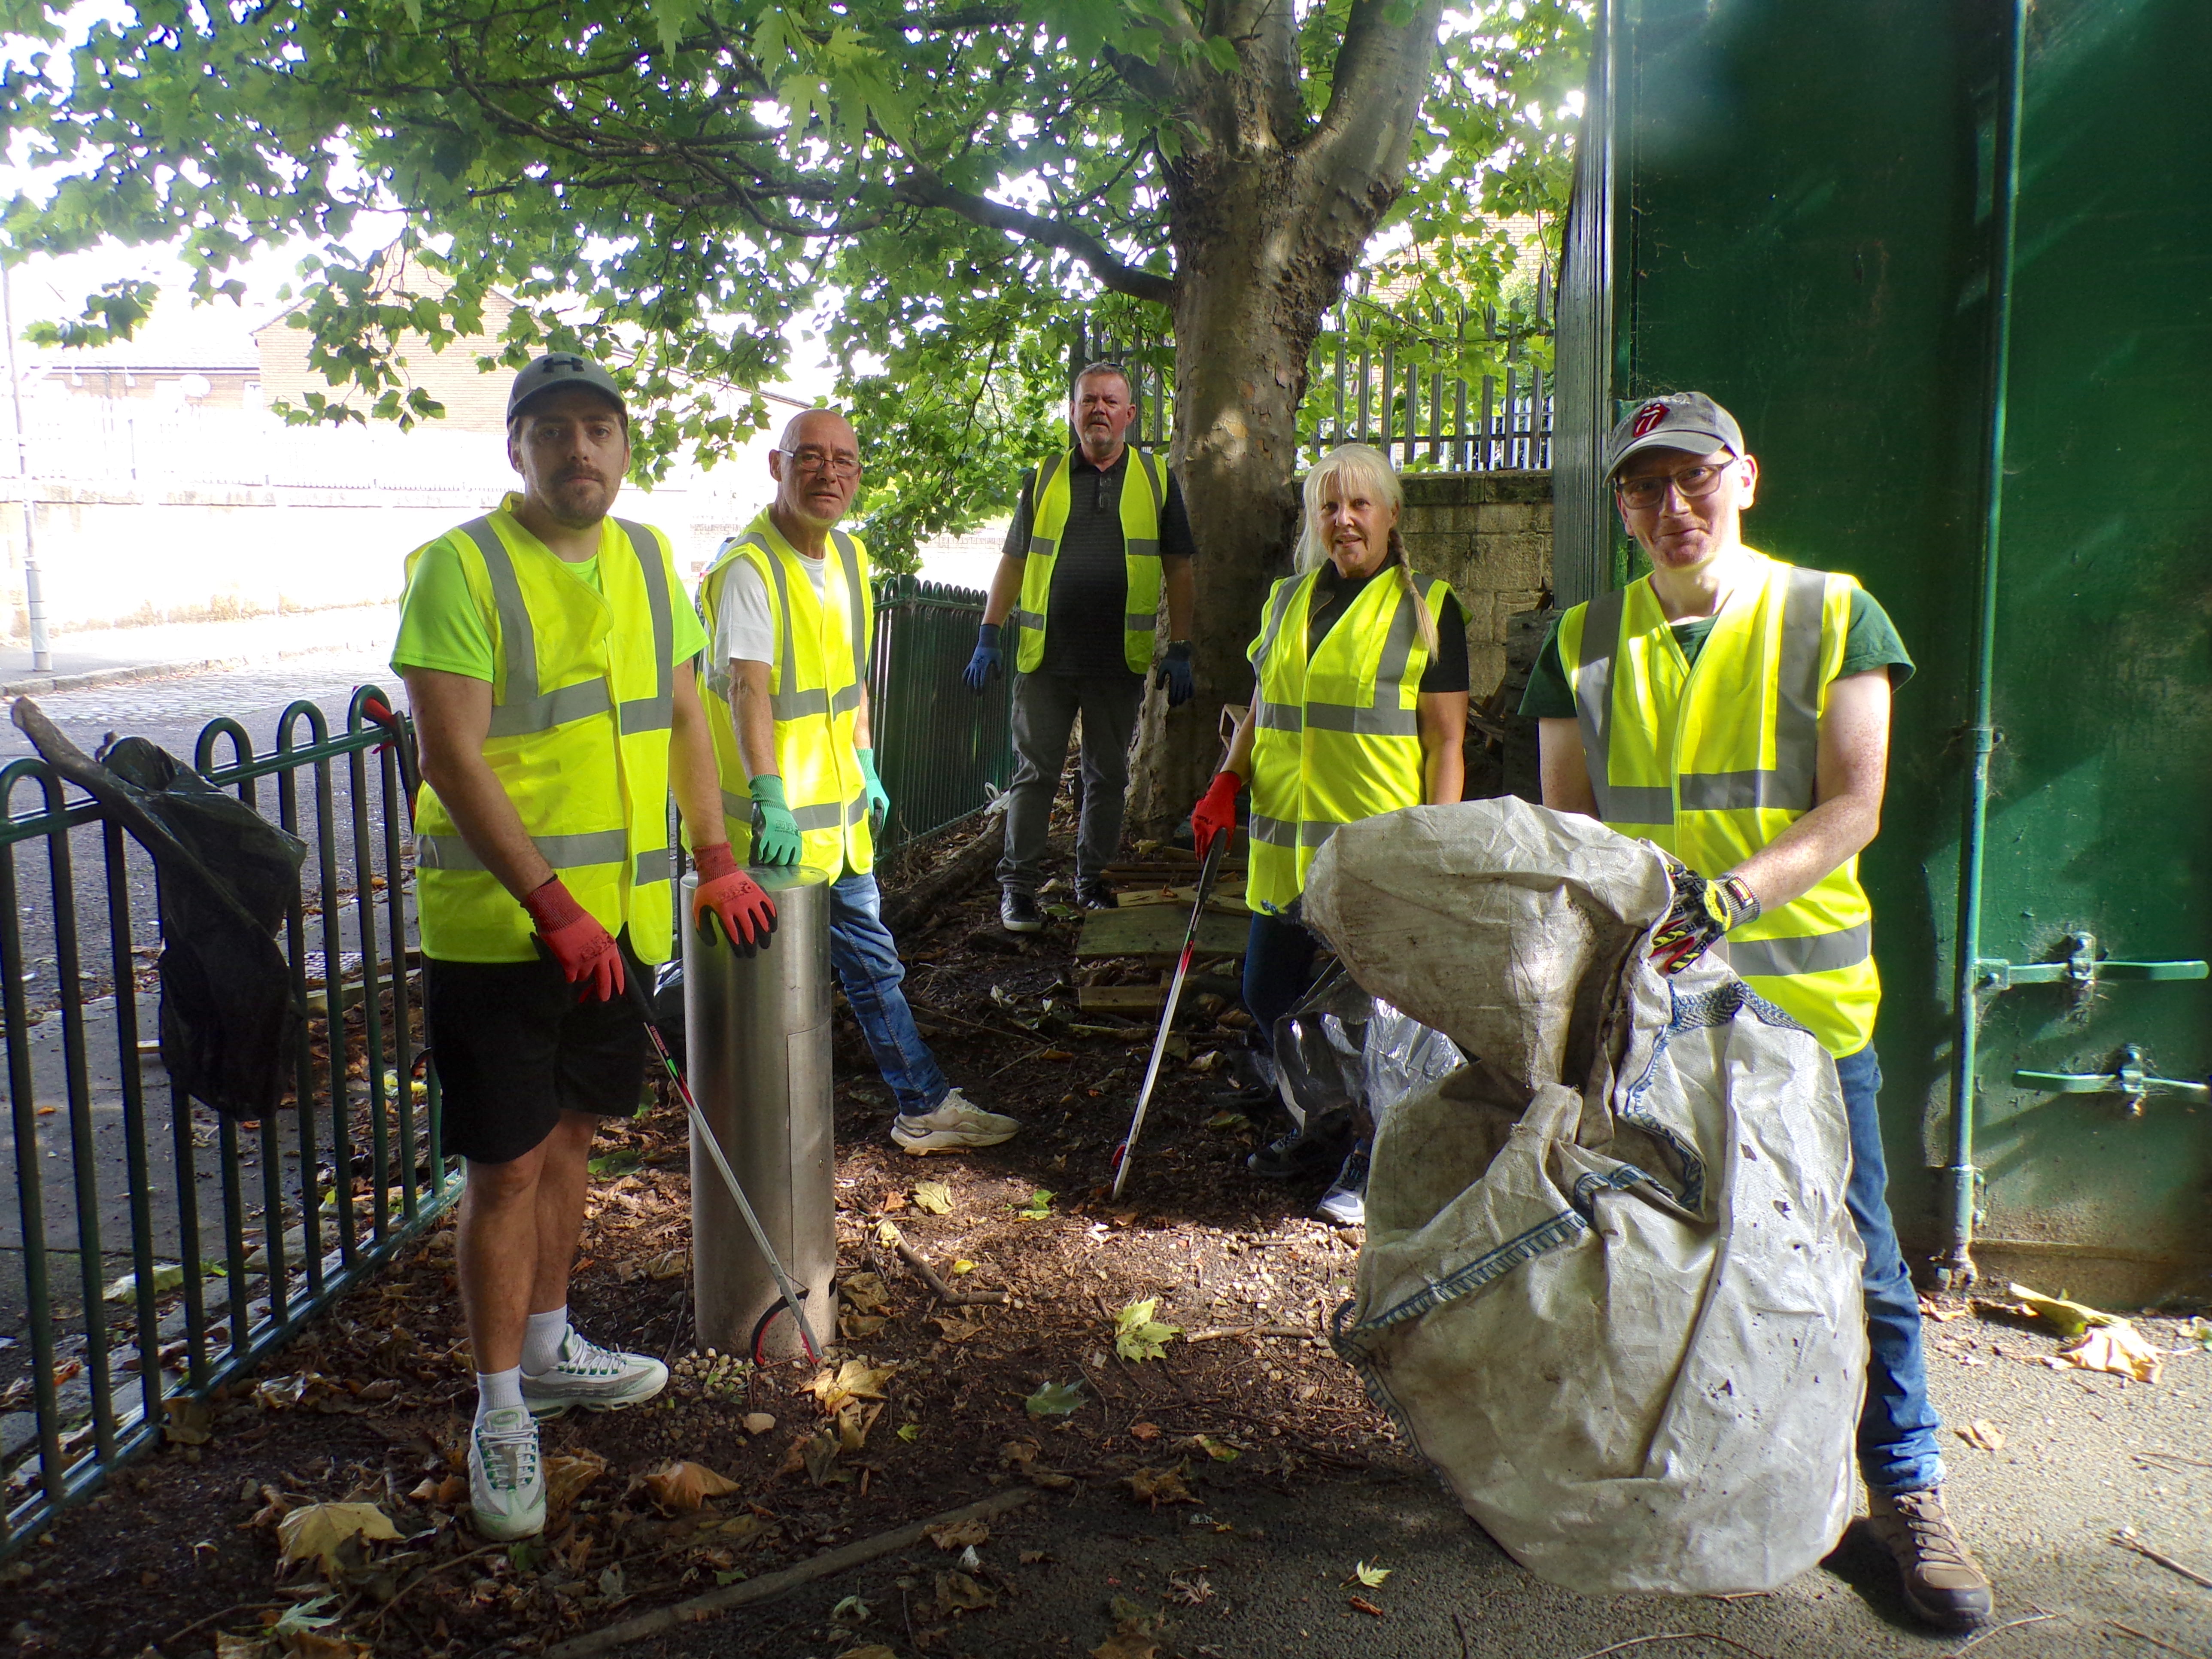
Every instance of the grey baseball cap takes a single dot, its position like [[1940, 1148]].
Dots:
[[562, 368], [1688, 421]]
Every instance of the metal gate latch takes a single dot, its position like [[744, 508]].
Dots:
[[2081, 970], [2126, 1077]]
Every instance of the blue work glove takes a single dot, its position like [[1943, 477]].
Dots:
[[988, 662], [879, 798], [775, 832], [1175, 674]]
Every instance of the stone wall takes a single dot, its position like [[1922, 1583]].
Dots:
[[1489, 534]]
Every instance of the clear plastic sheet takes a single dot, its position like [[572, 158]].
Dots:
[[1343, 1051]]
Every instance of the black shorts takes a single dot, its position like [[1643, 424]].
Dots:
[[514, 1048]]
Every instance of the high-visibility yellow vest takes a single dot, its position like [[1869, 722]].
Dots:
[[1713, 760], [815, 684], [583, 699], [1337, 737], [1140, 552]]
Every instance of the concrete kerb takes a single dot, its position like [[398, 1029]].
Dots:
[[124, 674]]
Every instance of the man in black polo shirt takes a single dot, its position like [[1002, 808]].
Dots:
[[1099, 537]]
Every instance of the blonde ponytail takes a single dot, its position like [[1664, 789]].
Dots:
[[1422, 620]]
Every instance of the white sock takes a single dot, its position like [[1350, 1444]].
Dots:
[[496, 1389], [542, 1339]]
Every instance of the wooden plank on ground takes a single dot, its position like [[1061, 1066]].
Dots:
[[1122, 999], [1157, 930]]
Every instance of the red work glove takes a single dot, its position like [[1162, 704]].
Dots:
[[585, 951], [1216, 811], [728, 894]]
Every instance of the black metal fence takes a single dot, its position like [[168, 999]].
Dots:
[[943, 751], [158, 1250]]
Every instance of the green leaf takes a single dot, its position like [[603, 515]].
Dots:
[[909, 1432], [1219, 1450], [1138, 1336], [621, 1161], [1039, 1208], [304, 1616], [1371, 1576], [1054, 1400]]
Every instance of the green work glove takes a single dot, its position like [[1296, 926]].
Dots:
[[879, 798], [775, 832]]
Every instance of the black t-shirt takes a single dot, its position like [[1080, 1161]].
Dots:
[[1333, 596], [1090, 573]]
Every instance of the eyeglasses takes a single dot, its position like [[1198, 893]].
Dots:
[[1696, 483], [810, 460]]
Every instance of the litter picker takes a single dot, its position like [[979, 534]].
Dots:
[[791, 1295], [1126, 1151]]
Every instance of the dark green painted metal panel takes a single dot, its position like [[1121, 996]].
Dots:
[[1802, 230]]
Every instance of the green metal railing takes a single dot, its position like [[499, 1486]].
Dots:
[[234, 1234], [943, 751]]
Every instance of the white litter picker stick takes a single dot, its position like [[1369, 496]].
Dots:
[[1126, 1152]]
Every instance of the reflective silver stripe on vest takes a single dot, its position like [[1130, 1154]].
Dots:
[[1789, 787], [1280, 717], [1277, 611], [1281, 832], [658, 712], [828, 816], [856, 603], [1813, 953], [799, 705], [1385, 718], [1141, 622], [1021, 618], [652, 865], [735, 806], [1593, 714], [561, 851], [1041, 546]]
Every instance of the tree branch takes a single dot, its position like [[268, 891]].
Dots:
[[924, 189], [1367, 96]]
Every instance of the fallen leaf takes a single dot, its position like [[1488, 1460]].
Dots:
[[1138, 1336], [190, 1421], [1371, 1576], [954, 1328], [873, 1650], [888, 1234], [1159, 1486], [166, 1276], [2119, 1347], [934, 1196], [855, 1327], [669, 1264], [1126, 1647], [2067, 1318], [228, 1646], [851, 1610], [892, 1202], [684, 1486], [836, 1388], [866, 1293], [817, 1455], [1941, 1316], [1228, 1120], [958, 1534], [1054, 1400], [854, 1422], [317, 1531], [1039, 1208], [909, 1432], [1144, 1430], [1022, 1452], [963, 1265], [1220, 1451], [759, 1423], [1982, 1433], [1366, 1606], [957, 1593], [567, 1478], [316, 1644]]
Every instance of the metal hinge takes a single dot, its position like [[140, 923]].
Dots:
[[2126, 1077], [2081, 970]]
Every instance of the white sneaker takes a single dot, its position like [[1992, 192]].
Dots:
[[598, 1379], [507, 1486], [955, 1125]]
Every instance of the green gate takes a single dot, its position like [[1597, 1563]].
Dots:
[[1949, 266]]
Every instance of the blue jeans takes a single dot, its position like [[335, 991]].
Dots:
[[1898, 1426], [868, 969]]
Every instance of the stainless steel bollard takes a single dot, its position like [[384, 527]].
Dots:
[[756, 1030]]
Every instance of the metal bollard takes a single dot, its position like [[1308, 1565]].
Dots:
[[756, 1030]]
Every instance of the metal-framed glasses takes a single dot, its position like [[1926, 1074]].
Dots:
[[810, 460], [1696, 483]]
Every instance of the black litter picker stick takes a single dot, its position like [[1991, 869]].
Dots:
[[793, 1298], [1126, 1152]]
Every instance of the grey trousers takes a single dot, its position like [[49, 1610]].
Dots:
[[1045, 707]]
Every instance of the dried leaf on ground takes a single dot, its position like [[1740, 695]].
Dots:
[[953, 1328], [1159, 1486], [1366, 1605], [1018, 1453], [1144, 1430], [854, 1422], [1982, 1433], [934, 1196], [836, 1386], [684, 1486], [318, 1644], [1054, 1400], [1138, 1336], [2067, 1318], [962, 1265], [316, 1532], [1371, 1576], [228, 1646], [669, 1264], [1941, 1316], [856, 1328], [190, 1421], [909, 1432], [1219, 1450], [866, 1293], [817, 1456], [1126, 1646], [873, 1650], [759, 1423], [958, 1534], [957, 1593], [567, 1477], [2119, 1347]]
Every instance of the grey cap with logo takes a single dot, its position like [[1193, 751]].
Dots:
[[559, 369], [1687, 420]]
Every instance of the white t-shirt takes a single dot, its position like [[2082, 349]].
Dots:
[[744, 627]]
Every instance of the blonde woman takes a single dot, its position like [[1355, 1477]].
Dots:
[[1360, 708]]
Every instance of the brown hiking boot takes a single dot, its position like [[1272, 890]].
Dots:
[[1943, 1583]]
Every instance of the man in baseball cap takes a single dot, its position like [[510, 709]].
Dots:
[[1760, 775], [558, 369]]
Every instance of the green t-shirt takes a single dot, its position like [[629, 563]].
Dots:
[[1869, 642], [440, 626]]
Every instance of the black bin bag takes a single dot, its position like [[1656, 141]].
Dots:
[[232, 1025]]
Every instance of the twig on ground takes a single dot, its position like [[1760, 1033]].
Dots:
[[2145, 1636], [1675, 1636], [943, 1291], [2128, 1541], [1250, 1330], [1980, 1637], [203, 1623], [427, 1574], [770, 1585], [930, 1011]]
